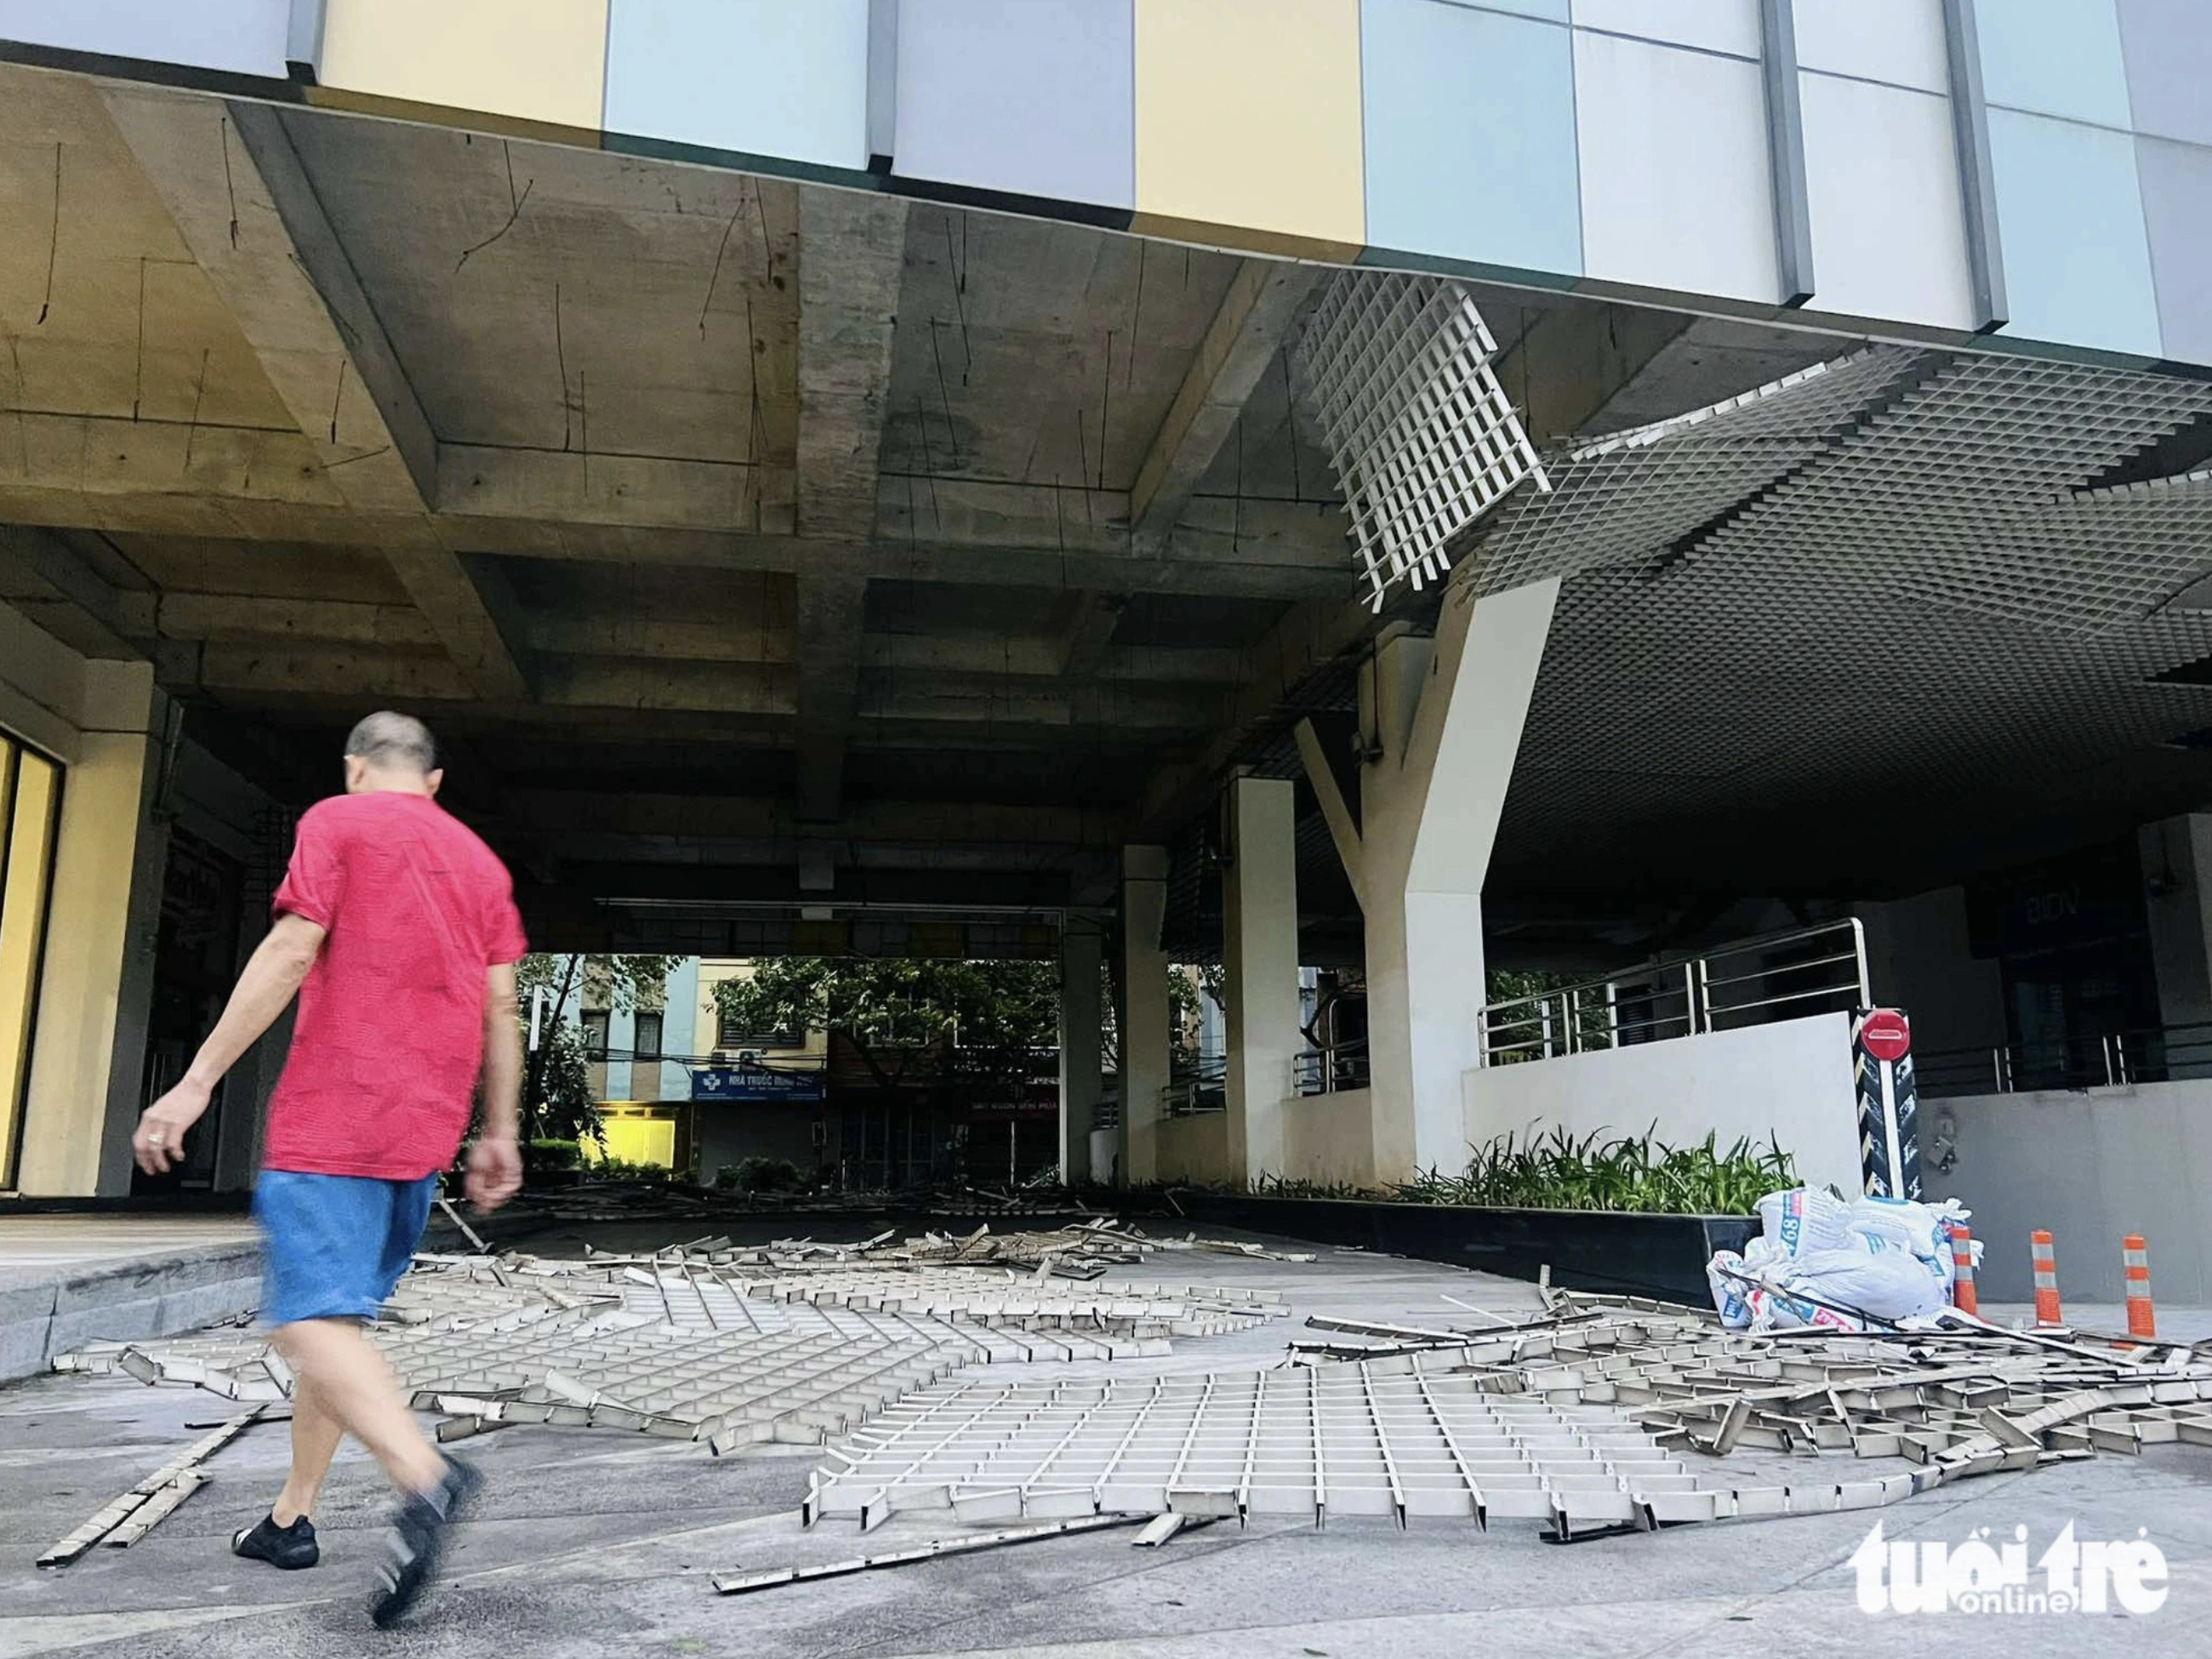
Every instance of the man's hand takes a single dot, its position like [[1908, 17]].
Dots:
[[159, 1140], [495, 1172]]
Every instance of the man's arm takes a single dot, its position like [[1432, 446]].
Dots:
[[264, 990], [495, 1162]]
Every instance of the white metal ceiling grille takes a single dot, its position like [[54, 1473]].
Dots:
[[1422, 436], [1715, 659]]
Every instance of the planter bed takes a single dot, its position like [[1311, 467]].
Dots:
[[1654, 1255]]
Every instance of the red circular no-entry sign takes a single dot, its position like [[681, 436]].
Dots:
[[1885, 1035]]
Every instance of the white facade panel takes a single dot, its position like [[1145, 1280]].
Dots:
[[1889, 234], [245, 37], [1676, 186], [1789, 1083], [1730, 26], [1897, 41]]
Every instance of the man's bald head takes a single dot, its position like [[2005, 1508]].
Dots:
[[392, 751]]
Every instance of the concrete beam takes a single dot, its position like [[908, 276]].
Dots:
[[1307, 638], [1035, 714], [247, 209], [1088, 631], [42, 576], [852, 248], [832, 612], [74, 486], [921, 822], [1246, 333], [572, 487]]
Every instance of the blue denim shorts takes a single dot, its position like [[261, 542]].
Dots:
[[333, 1246]]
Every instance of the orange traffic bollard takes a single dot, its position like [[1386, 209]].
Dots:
[[2046, 1278], [2135, 1257], [1962, 1269]]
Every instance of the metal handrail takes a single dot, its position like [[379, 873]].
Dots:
[[1676, 997], [1203, 1088], [1333, 1070], [2152, 1054]]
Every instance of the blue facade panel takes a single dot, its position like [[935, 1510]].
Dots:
[[760, 76], [1037, 100], [2077, 262], [2054, 58], [244, 37], [1470, 135], [2167, 47], [2176, 194]]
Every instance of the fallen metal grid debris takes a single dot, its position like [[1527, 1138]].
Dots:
[[740, 1584], [677, 1345], [138, 1511], [1602, 1413]]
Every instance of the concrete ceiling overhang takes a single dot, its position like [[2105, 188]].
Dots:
[[735, 528]]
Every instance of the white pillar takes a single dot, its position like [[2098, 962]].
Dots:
[[1144, 1013], [1446, 717], [1259, 958], [1079, 991]]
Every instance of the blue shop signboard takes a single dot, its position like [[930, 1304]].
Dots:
[[755, 1083]]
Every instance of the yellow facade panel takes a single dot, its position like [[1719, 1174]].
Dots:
[[27, 840], [1248, 119], [529, 60], [635, 1140]]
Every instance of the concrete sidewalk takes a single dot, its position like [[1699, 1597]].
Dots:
[[591, 1543], [66, 1280]]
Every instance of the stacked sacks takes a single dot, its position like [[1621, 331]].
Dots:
[[1871, 1261]]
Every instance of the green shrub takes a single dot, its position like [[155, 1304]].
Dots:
[[1556, 1171], [540, 1157], [621, 1169], [760, 1174]]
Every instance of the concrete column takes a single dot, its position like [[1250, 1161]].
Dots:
[[1080, 988], [1145, 1012], [1441, 719], [96, 988], [1259, 958]]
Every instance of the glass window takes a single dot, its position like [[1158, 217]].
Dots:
[[595, 1033], [646, 1045], [30, 808]]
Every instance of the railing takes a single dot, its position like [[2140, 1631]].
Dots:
[[1106, 1110], [1331, 1071], [2163, 1053], [1204, 1088], [1779, 977]]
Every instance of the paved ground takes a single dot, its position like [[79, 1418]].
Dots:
[[88, 1241], [595, 1543]]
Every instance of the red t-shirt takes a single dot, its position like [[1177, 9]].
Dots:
[[390, 1036]]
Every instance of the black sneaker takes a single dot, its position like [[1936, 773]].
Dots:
[[418, 1541], [289, 1547]]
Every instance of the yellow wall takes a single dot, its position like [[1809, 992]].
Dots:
[[81, 990], [535, 60], [28, 785], [636, 1140], [1249, 114], [95, 978]]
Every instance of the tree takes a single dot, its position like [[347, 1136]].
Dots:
[[556, 1086], [893, 1007], [895, 1002]]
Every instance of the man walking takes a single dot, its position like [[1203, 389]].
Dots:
[[396, 928]]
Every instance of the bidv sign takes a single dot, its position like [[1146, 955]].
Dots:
[[1909, 1575]]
